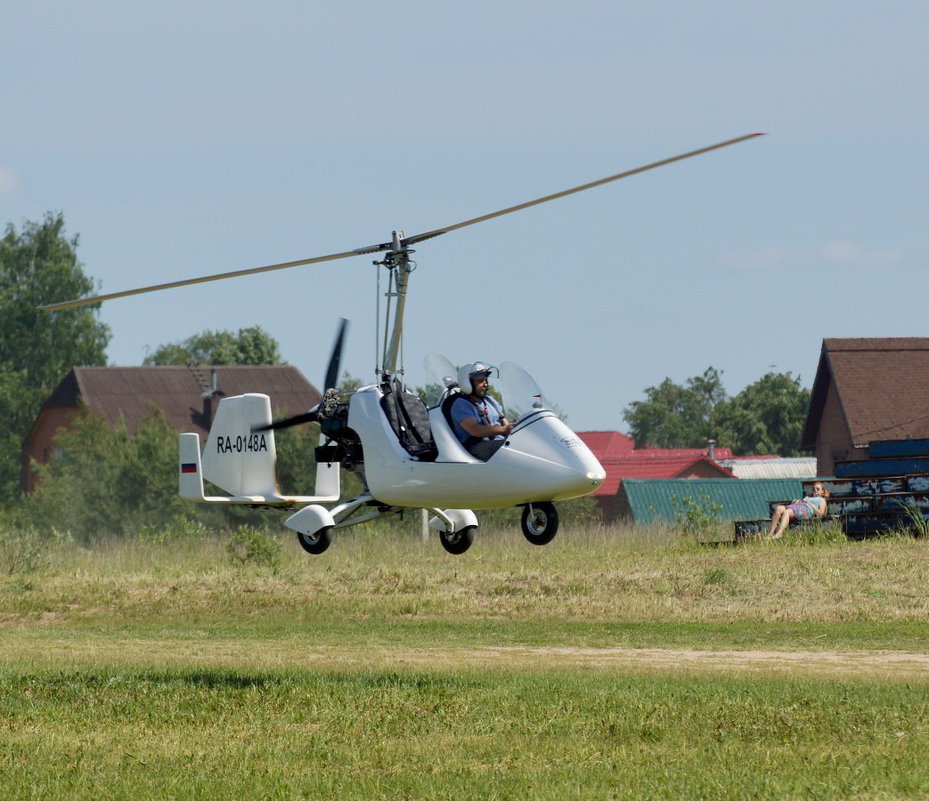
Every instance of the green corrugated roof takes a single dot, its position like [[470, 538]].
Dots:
[[659, 499]]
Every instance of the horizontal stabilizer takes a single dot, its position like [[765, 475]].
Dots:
[[190, 480]]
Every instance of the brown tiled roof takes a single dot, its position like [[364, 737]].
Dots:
[[882, 385], [127, 393]]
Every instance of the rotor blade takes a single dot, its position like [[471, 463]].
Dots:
[[412, 240], [70, 304], [386, 246], [332, 372], [287, 422]]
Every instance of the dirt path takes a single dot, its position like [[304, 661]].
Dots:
[[878, 665], [860, 663]]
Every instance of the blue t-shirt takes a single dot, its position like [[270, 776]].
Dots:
[[486, 411]]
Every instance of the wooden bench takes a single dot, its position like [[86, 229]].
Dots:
[[752, 529]]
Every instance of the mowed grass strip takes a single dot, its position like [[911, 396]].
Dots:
[[189, 733]]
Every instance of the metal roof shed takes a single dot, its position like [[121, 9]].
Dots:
[[653, 500], [773, 467]]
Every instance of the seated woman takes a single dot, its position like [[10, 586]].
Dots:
[[811, 506]]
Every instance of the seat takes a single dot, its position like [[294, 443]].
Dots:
[[451, 449], [409, 420], [446, 406]]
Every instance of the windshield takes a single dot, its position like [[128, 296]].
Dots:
[[521, 394], [440, 375]]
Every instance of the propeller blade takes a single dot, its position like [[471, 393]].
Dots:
[[332, 377], [387, 246], [287, 422], [412, 240], [332, 372]]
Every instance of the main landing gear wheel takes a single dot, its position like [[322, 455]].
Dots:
[[457, 542], [539, 522], [317, 542]]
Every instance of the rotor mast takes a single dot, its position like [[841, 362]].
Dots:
[[398, 263]]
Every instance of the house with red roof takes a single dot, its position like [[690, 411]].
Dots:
[[608, 444], [621, 462]]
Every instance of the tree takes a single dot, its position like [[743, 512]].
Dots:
[[109, 482], [39, 265], [106, 481], [430, 393], [18, 410], [675, 415], [249, 346], [765, 417], [348, 383]]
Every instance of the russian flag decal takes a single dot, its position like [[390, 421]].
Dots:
[[188, 467]]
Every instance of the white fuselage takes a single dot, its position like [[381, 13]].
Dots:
[[542, 460]]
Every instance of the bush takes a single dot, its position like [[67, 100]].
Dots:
[[250, 546], [697, 517], [106, 481], [180, 529]]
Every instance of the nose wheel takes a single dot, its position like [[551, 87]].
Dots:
[[457, 542], [539, 522]]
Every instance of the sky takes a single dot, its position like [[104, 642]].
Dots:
[[184, 139]]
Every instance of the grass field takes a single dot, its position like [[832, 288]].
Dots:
[[606, 665]]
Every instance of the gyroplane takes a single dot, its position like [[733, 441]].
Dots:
[[407, 455]]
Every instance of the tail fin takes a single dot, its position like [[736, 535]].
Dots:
[[236, 459], [242, 461]]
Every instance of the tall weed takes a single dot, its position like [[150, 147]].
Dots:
[[22, 550], [917, 523]]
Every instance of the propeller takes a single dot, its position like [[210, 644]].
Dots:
[[397, 244], [287, 422], [335, 360], [330, 392]]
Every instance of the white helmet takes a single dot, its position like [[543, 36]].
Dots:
[[468, 371]]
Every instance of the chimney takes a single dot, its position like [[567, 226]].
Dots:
[[711, 450], [208, 397]]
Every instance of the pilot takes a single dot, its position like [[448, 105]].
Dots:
[[477, 419]]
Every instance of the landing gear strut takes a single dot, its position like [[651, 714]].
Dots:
[[539, 522]]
